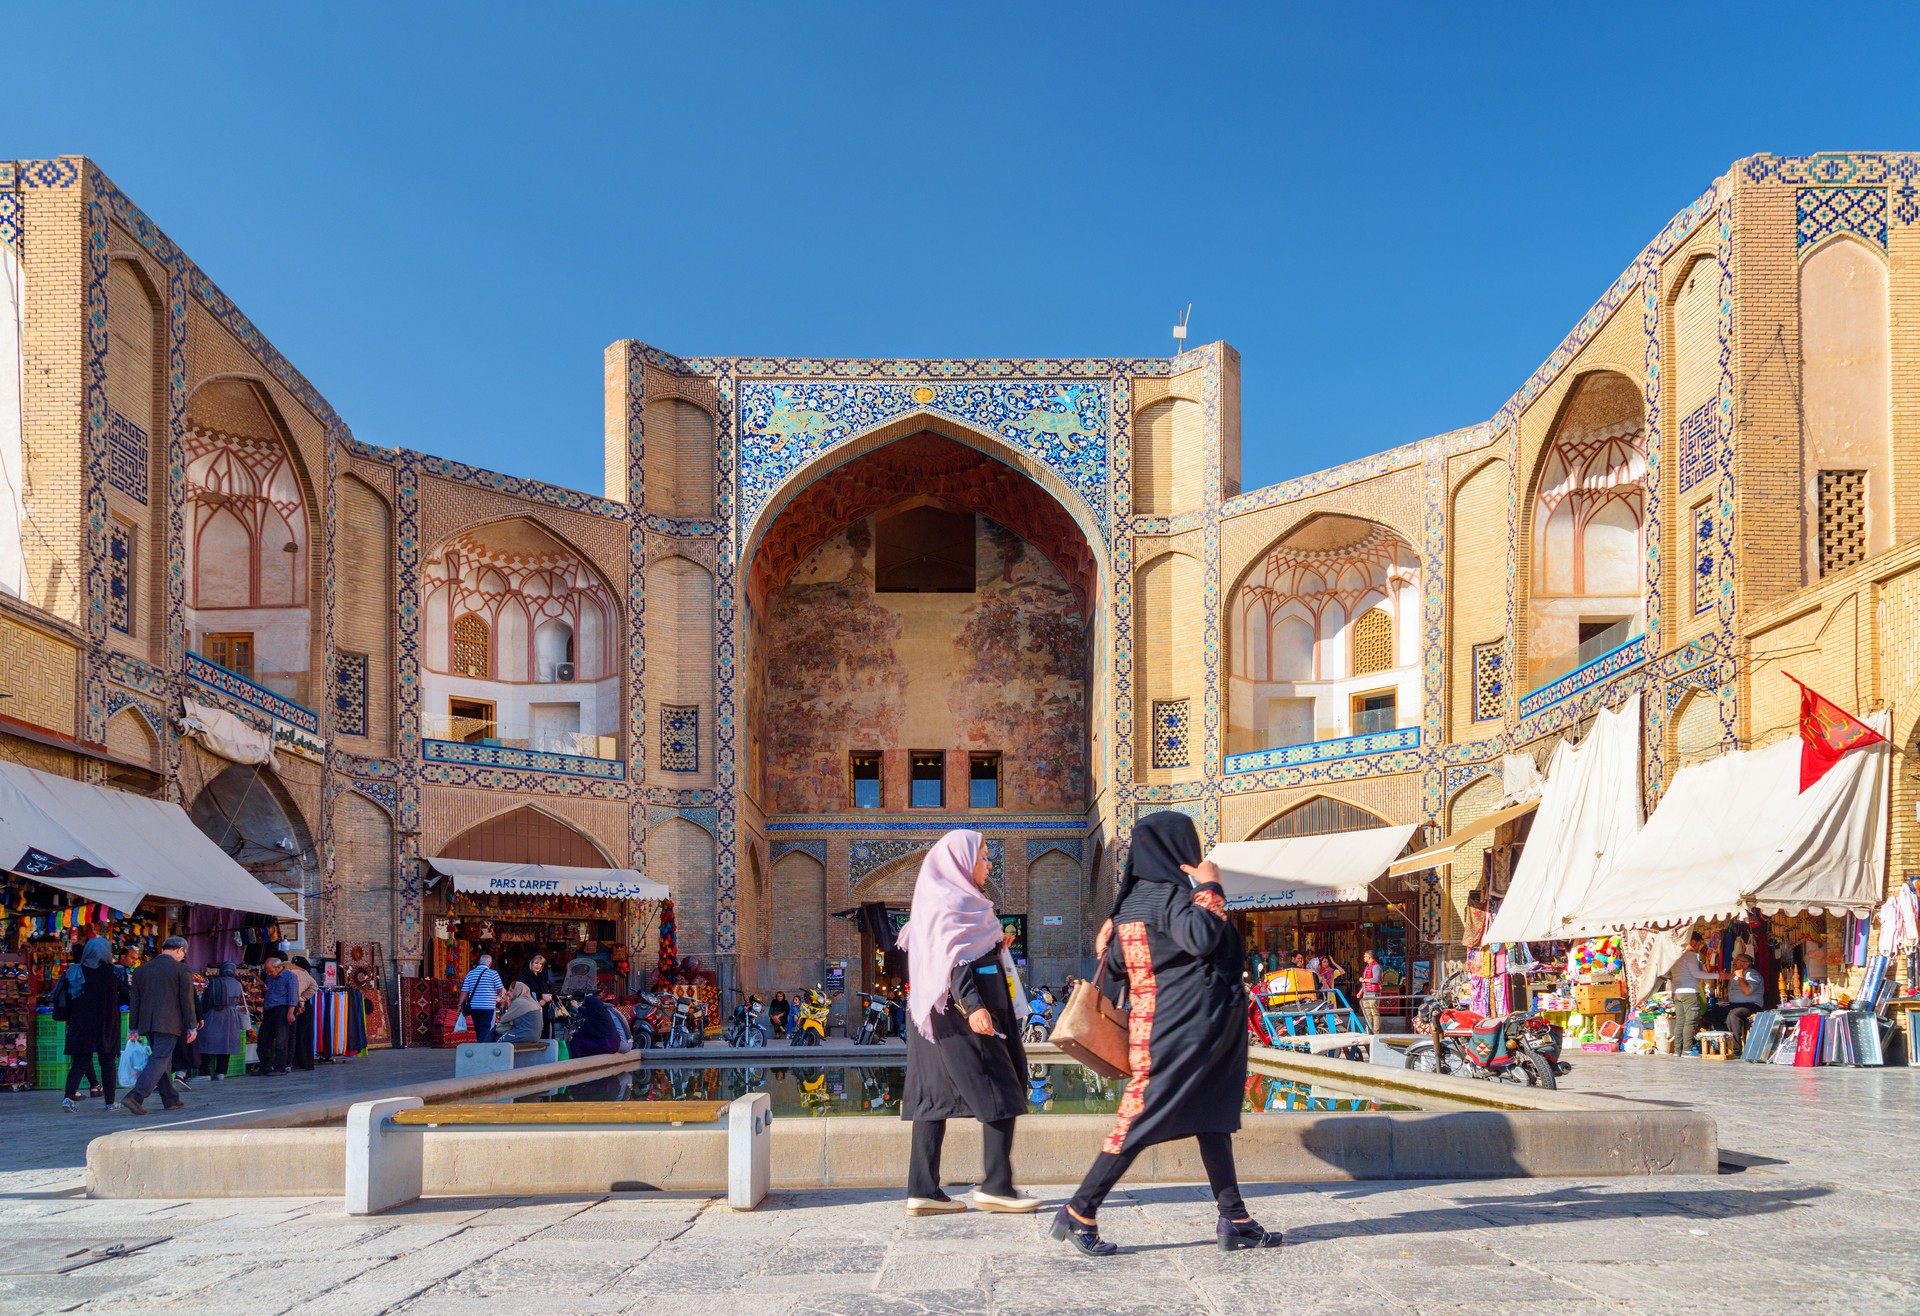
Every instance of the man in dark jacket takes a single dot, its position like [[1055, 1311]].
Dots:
[[163, 1013]]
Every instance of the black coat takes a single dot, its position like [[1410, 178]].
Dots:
[[163, 997], [93, 1017], [1181, 959], [960, 1073]]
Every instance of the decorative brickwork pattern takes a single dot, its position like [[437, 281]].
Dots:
[[1820, 212], [1489, 680], [1172, 732], [1704, 553], [1843, 519], [350, 694], [680, 738], [127, 457], [1697, 442]]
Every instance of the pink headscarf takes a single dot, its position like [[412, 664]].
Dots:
[[951, 923]]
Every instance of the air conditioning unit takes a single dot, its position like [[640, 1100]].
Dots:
[[563, 672]]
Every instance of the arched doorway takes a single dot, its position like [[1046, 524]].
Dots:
[[917, 642], [248, 813]]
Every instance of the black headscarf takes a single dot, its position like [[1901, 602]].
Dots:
[[1161, 843]]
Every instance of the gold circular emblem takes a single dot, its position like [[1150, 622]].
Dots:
[[923, 394]]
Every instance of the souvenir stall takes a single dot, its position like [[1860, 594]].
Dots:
[[513, 911], [689, 980]]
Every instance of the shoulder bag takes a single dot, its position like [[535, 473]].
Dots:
[[1093, 1030]]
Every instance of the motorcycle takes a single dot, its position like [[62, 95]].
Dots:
[[688, 1026], [813, 1005], [650, 1020], [873, 1020], [1520, 1047], [748, 1026], [1039, 1020]]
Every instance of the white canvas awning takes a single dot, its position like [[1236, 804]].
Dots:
[[1443, 850], [1307, 870], [1736, 833], [225, 734], [1588, 812], [151, 847], [501, 879]]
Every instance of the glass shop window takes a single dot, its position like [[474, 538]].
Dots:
[[866, 779], [927, 784], [983, 781]]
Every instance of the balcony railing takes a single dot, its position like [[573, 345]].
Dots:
[[279, 695], [1552, 669], [1368, 721], [479, 731]]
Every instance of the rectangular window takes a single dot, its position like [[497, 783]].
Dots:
[[1703, 558], [1377, 711], [471, 720], [1172, 732], [866, 779], [120, 577], [1489, 680], [927, 783], [1843, 520], [983, 781], [233, 650]]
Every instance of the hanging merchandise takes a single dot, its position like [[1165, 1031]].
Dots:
[[669, 951]]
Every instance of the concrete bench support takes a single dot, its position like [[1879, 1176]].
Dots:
[[386, 1160], [471, 1058]]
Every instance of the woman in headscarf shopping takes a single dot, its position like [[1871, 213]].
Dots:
[[1170, 941], [223, 1033], [964, 1057], [93, 994]]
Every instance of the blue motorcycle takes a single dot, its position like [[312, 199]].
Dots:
[[1039, 1022]]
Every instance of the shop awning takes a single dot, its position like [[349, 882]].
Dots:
[[1589, 811], [1442, 851], [1736, 833], [484, 876], [1307, 870], [147, 847]]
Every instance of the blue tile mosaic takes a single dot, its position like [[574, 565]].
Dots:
[[522, 760], [680, 738], [235, 686], [1325, 751], [127, 457], [1821, 212], [1608, 665]]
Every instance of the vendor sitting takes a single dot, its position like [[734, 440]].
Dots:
[[1745, 998]]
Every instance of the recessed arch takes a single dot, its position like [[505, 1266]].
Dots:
[[526, 834], [1317, 815]]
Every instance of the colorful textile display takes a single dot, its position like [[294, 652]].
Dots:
[[669, 949]]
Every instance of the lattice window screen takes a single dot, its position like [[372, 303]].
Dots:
[[680, 738], [1373, 643], [120, 578], [472, 643], [1172, 722], [1843, 519], [1489, 680]]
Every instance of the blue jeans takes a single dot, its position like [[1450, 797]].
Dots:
[[158, 1071]]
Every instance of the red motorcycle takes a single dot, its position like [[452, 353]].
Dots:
[[1515, 1048], [652, 1017]]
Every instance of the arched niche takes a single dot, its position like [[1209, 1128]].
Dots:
[[527, 835], [1323, 636]]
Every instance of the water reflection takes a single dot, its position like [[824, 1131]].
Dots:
[[799, 1091]]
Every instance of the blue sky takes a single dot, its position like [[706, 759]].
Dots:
[[442, 215]]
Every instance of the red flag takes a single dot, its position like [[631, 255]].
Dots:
[[1826, 732]]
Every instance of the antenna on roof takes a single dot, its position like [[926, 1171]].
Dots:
[[1180, 330]]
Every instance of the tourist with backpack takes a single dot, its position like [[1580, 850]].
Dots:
[[88, 997]]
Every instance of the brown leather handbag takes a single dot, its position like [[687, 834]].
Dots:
[[1093, 1030]]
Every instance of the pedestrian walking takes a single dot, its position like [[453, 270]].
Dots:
[[964, 1058], [1170, 940], [94, 994], [163, 1013], [1371, 974], [480, 993], [223, 1034], [278, 1005]]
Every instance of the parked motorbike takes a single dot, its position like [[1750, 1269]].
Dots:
[[748, 1026], [1520, 1047], [873, 1020], [688, 1025], [813, 1005], [651, 1019], [1039, 1021]]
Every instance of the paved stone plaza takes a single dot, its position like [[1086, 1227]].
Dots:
[[1816, 1206]]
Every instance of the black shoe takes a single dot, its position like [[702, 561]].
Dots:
[[1236, 1234], [133, 1103], [1086, 1238]]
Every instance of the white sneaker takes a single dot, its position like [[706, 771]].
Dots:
[[934, 1205], [1006, 1205]]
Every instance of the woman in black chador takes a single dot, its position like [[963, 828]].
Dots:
[[1169, 940]]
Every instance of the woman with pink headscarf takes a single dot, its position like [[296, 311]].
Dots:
[[964, 1057]]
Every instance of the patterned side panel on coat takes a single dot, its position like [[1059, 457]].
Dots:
[[1142, 993]]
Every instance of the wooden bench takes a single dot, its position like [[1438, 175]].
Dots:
[[471, 1058], [386, 1152]]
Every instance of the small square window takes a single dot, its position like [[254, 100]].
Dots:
[[866, 779], [983, 781], [927, 783]]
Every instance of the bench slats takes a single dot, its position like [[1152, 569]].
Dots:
[[581, 1112]]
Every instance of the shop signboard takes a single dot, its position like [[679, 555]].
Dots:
[[1051, 920], [1422, 976], [1016, 924]]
